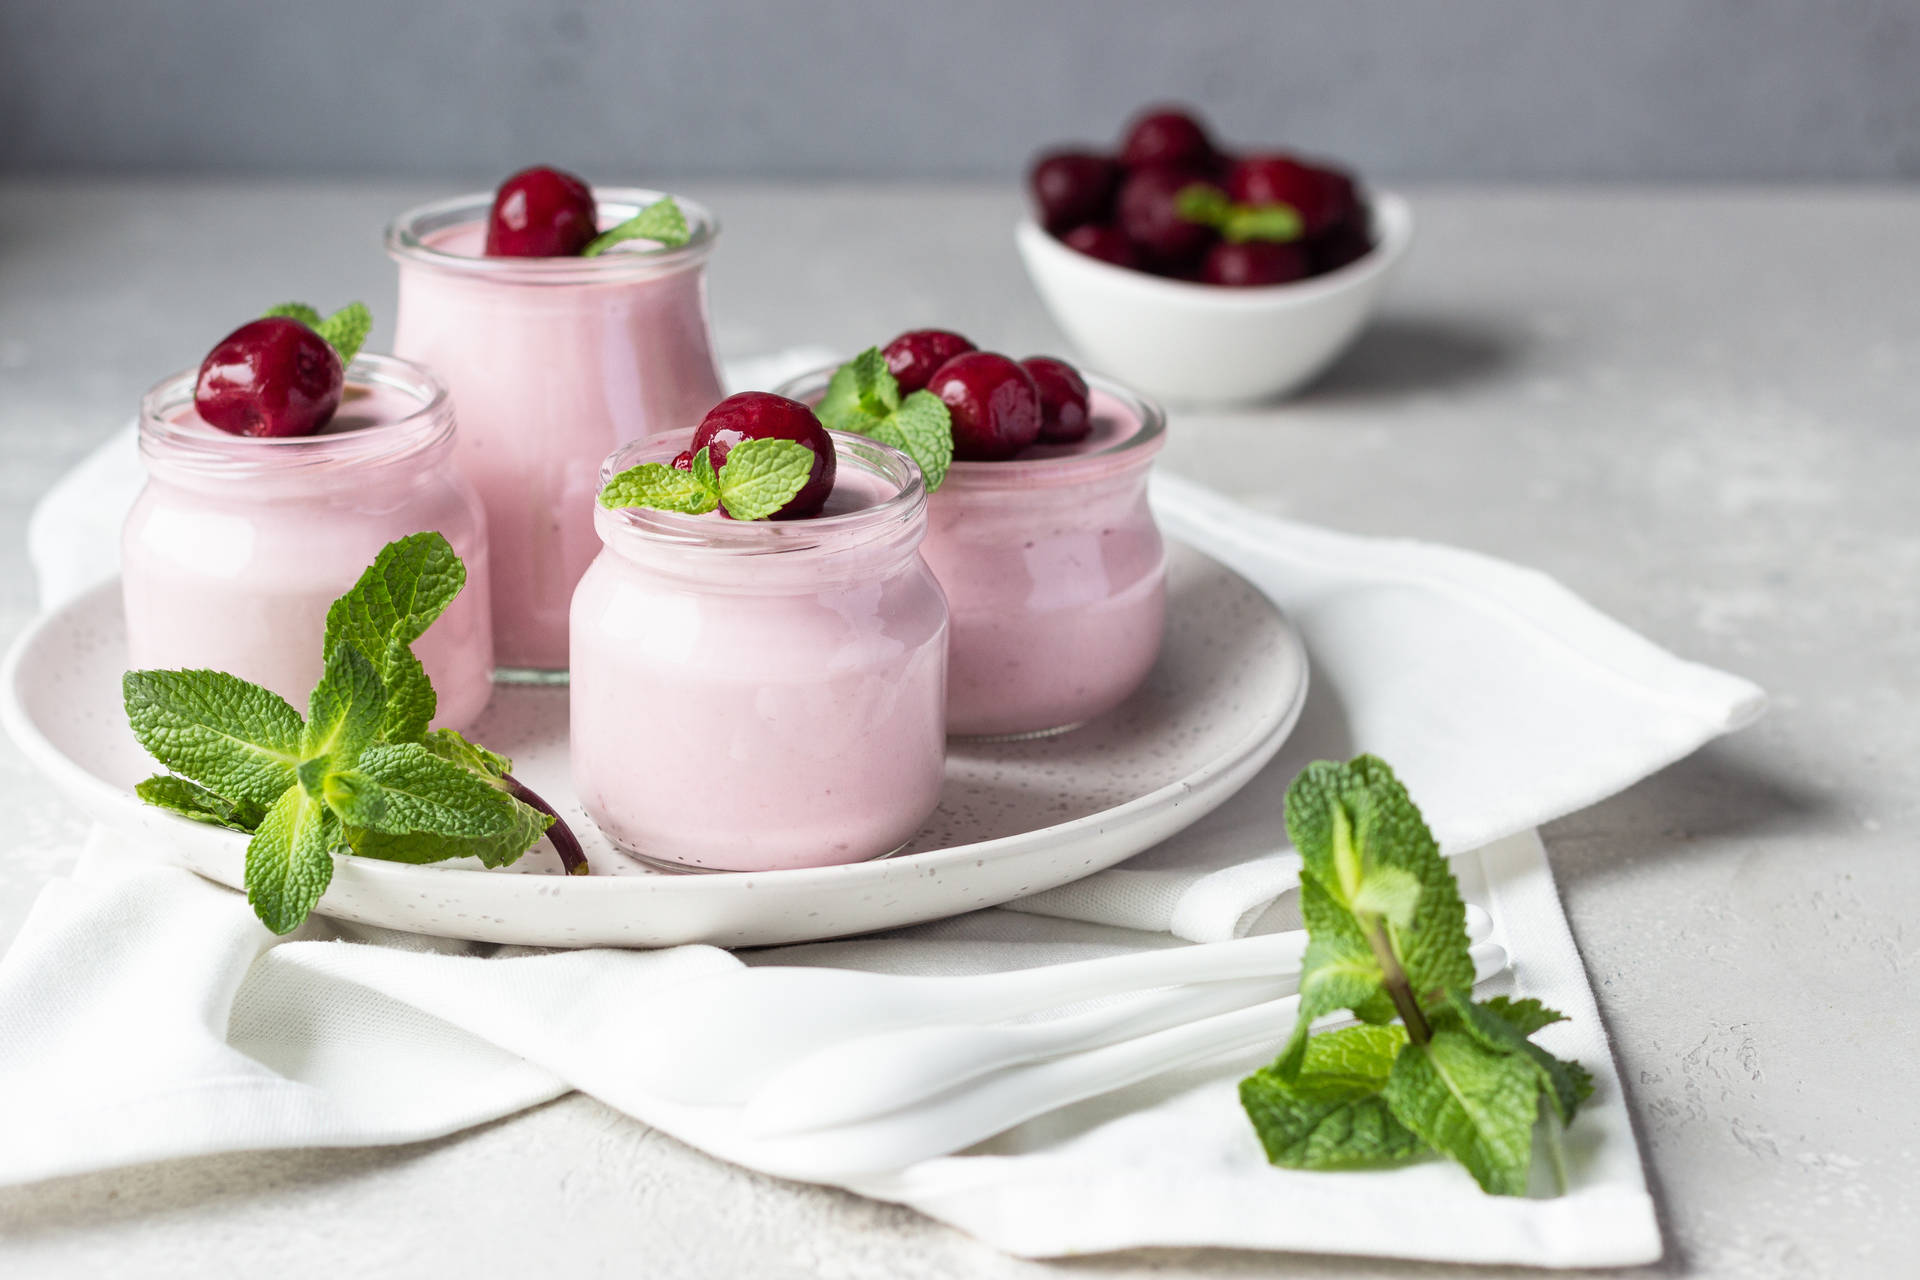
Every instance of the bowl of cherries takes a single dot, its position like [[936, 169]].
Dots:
[[1201, 274]]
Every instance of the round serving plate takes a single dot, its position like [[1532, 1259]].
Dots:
[[1015, 817]]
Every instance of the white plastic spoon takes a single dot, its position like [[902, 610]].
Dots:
[[974, 1112], [723, 1037], [871, 1075]]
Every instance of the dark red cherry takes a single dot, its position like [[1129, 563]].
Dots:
[[994, 404], [761, 415], [1064, 415], [683, 460], [912, 357], [1322, 197], [1256, 262], [1073, 188], [271, 377], [1109, 244], [1346, 242], [1166, 137], [541, 213], [1150, 215]]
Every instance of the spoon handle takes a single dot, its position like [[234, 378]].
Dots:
[[995, 1103], [872, 1075]]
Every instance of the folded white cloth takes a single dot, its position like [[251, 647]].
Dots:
[[144, 1014]]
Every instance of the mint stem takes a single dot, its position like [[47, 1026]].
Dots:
[[1398, 988], [565, 843]]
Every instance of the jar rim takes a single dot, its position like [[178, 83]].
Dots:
[[900, 510], [408, 234], [211, 452], [1030, 472]]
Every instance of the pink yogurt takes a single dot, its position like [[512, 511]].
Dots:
[[754, 696], [237, 545], [1054, 571], [554, 363]]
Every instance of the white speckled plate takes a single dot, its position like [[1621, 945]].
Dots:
[[1015, 817]]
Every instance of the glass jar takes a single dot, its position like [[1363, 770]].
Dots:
[[553, 364], [237, 545], [760, 695], [1054, 571]]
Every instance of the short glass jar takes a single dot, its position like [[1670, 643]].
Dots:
[[553, 364], [761, 695], [237, 545], [1054, 571]]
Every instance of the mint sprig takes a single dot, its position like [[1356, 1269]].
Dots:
[[863, 398], [360, 773], [662, 222], [345, 330], [1209, 206], [756, 479], [1430, 1069]]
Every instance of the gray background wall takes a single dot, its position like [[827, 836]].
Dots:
[[1631, 90]]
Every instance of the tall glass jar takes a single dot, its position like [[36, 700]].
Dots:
[[752, 696], [238, 544], [1054, 571], [553, 364]]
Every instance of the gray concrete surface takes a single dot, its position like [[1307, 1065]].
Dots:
[[1696, 409], [1746, 90]]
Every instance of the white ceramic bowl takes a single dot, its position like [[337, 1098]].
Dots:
[[1208, 344]]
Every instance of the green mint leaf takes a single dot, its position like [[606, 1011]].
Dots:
[[1338, 971], [1525, 1016], [1486, 1023], [190, 800], [1392, 893], [411, 700], [406, 788], [1204, 203], [703, 471], [344, 714], [1332, 1115], [346, 329], [1582, 1080], [662, 488], [861, 393], [300, 311], [234, 738], [451, 745], [499, 849], [662, 222], [1474, 1104], [1346, 820], [925, 430], [290, 860], [408, 585], [1277, 222], [761, 476]]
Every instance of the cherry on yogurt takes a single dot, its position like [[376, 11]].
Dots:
[[913, 356], [1109, 244], [761, 415], [541, 213], [1167, 137], [1256, 262], [1064, 414], [993, 403], [1073, 188], [270, 377], [1150, 215]]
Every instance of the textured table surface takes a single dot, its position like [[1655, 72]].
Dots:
[[1696, 409]]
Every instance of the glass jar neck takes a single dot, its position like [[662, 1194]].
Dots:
[[180, 449], [715, 553], [417, 239]]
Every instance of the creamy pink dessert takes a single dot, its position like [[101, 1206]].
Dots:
[[553, 364], [237, 545], [1053, 568], [762, 695]]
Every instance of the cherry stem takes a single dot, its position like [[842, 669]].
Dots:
[[565, 843]]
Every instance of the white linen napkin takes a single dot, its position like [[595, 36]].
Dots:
[[144, 1013]]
